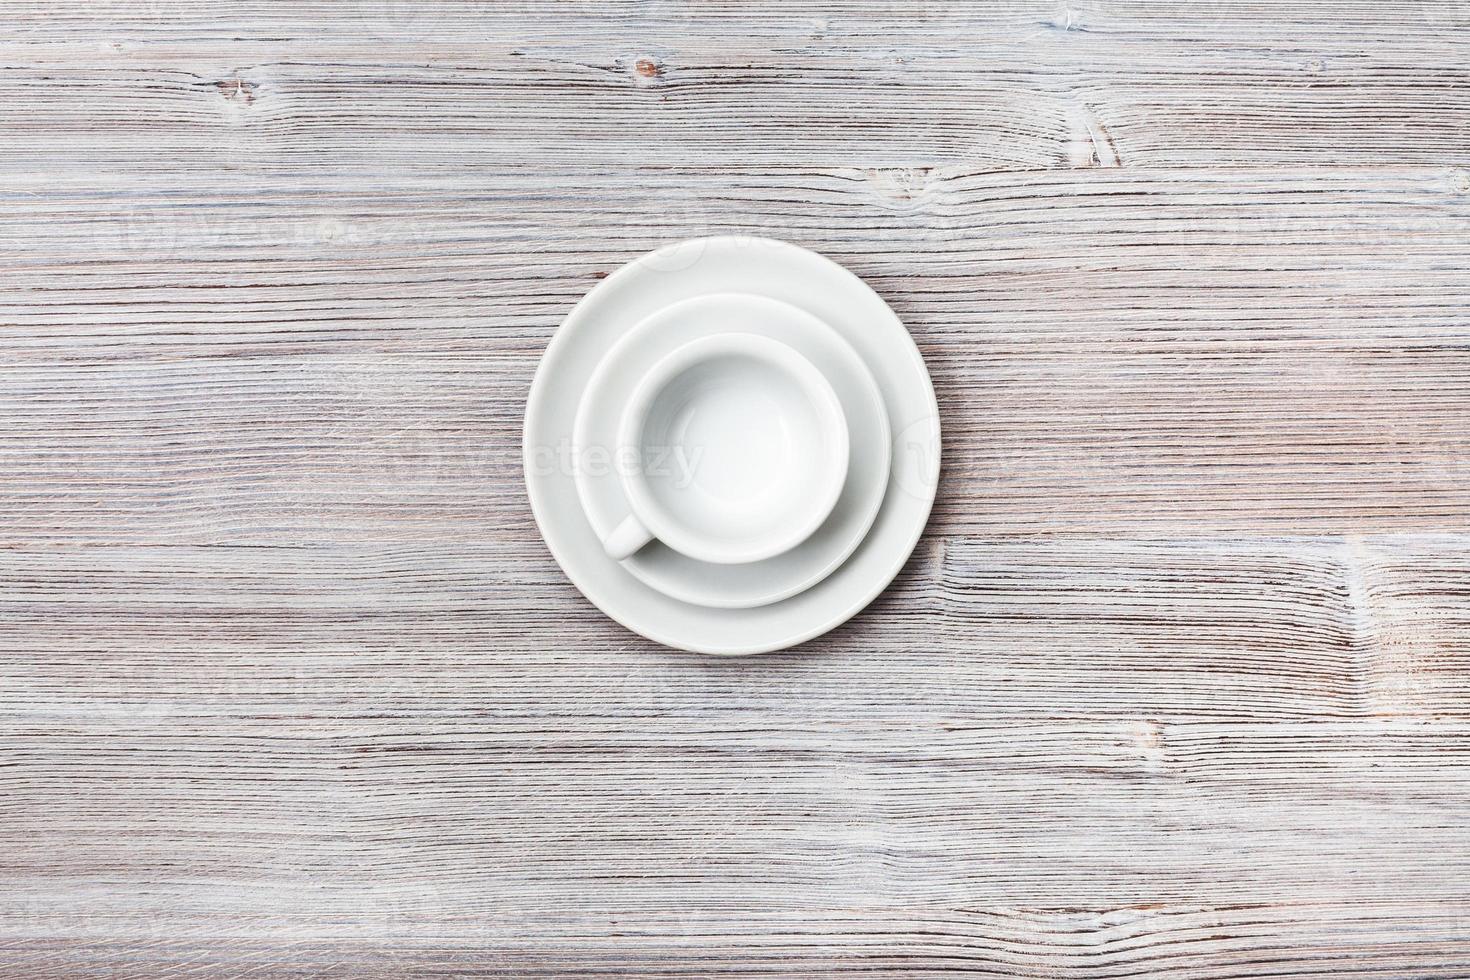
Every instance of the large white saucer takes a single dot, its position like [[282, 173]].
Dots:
[[714, 265], [758, 583]]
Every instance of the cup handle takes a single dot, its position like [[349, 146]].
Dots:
[[627, 538]]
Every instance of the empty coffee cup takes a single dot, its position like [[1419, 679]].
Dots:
[[733, 448]]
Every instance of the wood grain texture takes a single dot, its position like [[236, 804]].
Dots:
[[1175, 686]]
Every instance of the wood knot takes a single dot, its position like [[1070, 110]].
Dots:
[[237, 90], [899, 187], [647, 68], [1068, 19], [1147, 739]]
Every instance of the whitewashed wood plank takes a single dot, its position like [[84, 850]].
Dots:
[[397, 85], [1366, 939], [976, 629], [1114, 351], [547, 840]]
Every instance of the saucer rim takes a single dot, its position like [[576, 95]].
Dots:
[[872, 501], [548, 369]]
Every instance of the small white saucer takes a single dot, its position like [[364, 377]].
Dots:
[[741, 586], [698, 268]]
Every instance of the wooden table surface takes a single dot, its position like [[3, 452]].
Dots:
[[1176, 685]]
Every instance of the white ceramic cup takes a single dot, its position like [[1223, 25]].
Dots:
[[733, 448]]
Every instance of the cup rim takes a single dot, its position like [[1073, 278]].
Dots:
[[819, 392]]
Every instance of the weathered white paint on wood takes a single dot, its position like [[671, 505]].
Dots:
[[1175, 686]]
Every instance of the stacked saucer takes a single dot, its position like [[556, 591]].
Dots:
[[731, 445]]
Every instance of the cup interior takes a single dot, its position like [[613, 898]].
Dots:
[[742, 449]]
